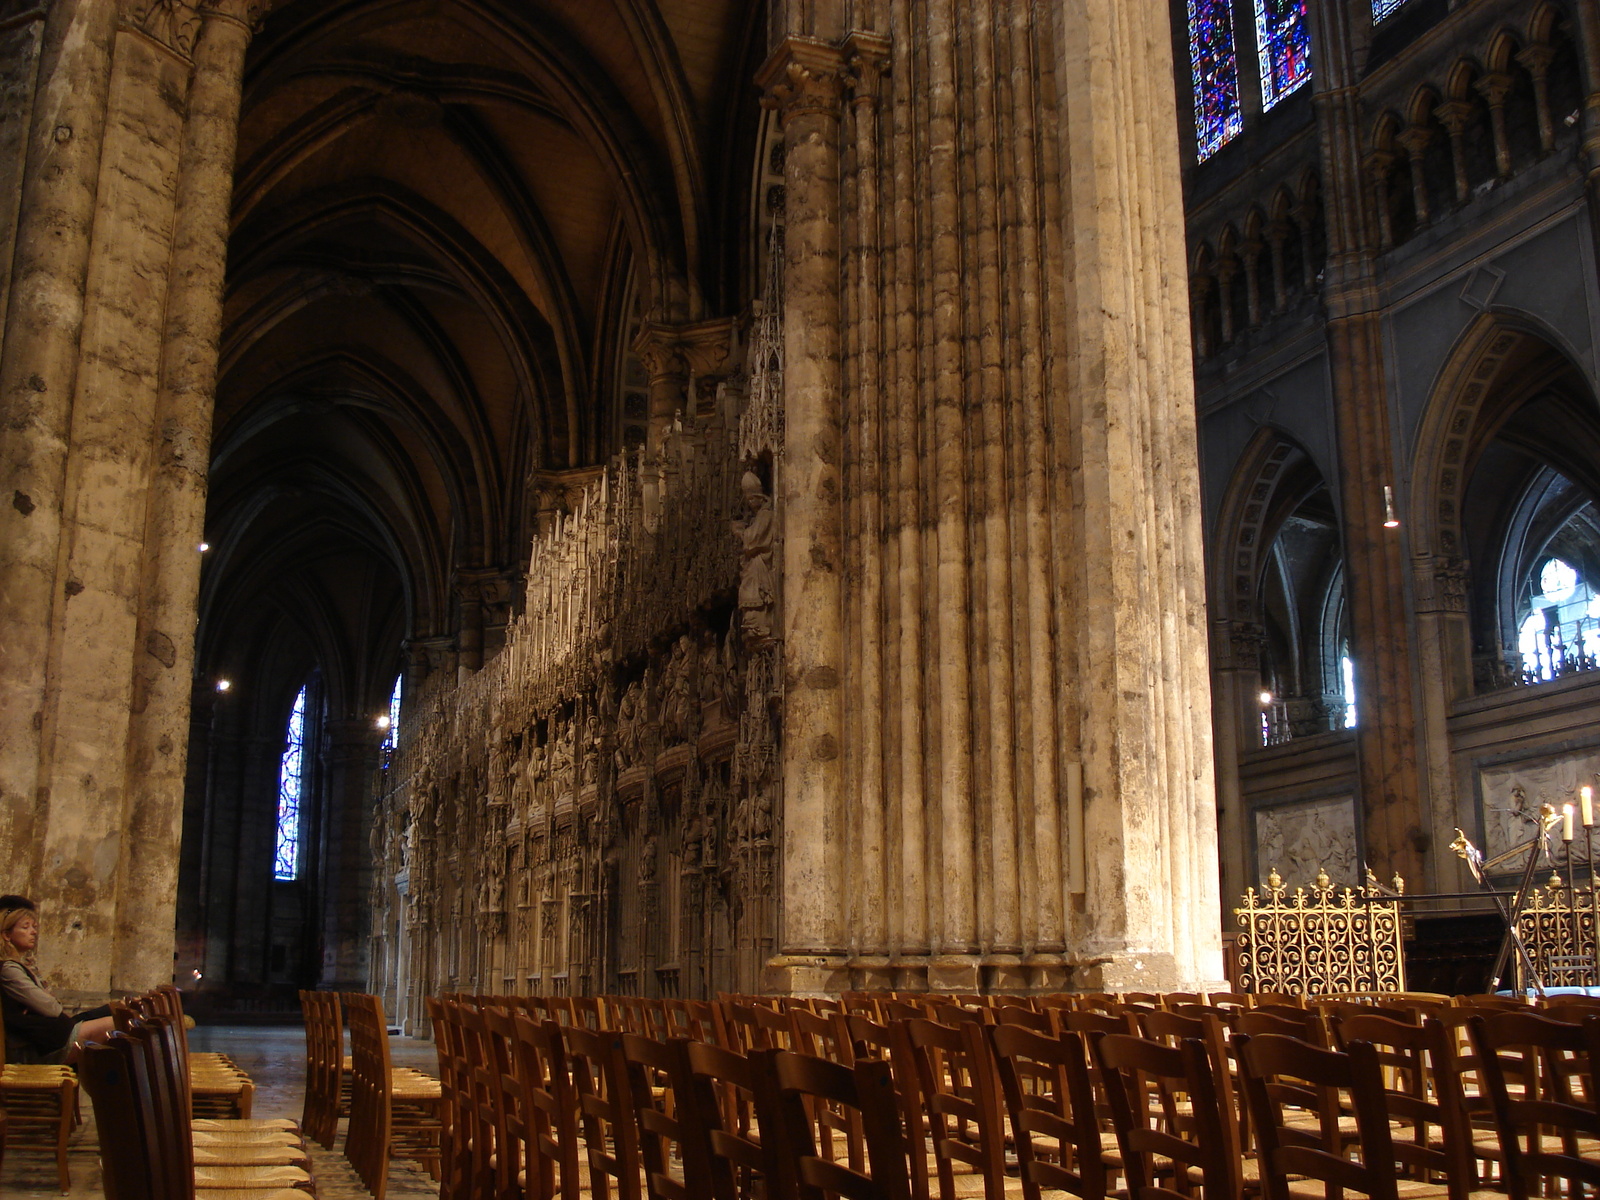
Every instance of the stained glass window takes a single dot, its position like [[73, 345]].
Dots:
[[1216, 74], [1382, 8], [291, 773], [391, 734], [1285, 46]]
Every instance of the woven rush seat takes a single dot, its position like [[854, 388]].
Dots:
[[228, 1193], [253, 1178], [243, 1124], [246, 1137], [250, 1156]]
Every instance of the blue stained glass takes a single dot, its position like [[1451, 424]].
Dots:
[[1382, 8], [1285, 46], [1215, 63], [286, 864], [391, 736]]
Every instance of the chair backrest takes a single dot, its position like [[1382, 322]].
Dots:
[[961, 1097], [1167, 1107], [1050, 1101], [657, 1073], [865, 1092], [549, 1109], [605, 1107], [1530, 1066], [1297, 1092], [728, 1093], [821, 1035], [1305, 1024], [1423, 1099], [134, 1149], [368, 1134], [1172, 1029]]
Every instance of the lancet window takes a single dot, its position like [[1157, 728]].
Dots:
[[1283, 42], [1214, 59], [291, 775]]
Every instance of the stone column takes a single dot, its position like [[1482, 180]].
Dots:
[[122, 218], [1235, 689], [1395, 807], [803, 80], [661, 352], [175, 514], [349, 756]]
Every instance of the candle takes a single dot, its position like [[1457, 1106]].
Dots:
[[1586, 795], [1566, 824]]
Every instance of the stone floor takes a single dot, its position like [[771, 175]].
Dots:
[[275, 1060]]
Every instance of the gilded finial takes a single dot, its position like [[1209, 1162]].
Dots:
[[1323, 882], [1553, 884], [1275, 881], [1398, 884]]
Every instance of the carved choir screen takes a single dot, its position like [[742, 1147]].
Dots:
[[594, 811], [1558, 925], [1322, 941]]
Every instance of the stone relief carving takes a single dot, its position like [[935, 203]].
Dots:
[[1510, 795], [1298, 840], [757, 585]]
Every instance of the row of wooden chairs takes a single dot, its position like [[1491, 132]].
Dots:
[[153, 1146], [394, 1112], [1149, 1100], [38, 1109], [218, 1086]]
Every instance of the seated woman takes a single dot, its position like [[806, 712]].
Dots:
[[37, 1028]]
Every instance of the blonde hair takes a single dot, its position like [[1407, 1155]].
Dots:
[[8, 921]]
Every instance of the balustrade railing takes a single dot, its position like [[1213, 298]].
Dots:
[[1322, 940]]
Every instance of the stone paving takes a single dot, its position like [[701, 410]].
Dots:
[[275, 1060]]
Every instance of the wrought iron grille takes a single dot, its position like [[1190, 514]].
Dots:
[[1558, 928], [1322, 940]]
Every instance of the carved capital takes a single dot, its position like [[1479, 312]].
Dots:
[[1236, 645], [661, 352], [803, 76], [675, 352], [1441, 583], [1494, 88], [867, 61], [173, 23], [1454, 116], [1415, 139]]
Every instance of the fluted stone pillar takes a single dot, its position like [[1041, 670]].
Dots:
[[803, 79], [992, 583], [104, 422]]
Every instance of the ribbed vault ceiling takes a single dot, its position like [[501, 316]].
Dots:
[[449, 217]]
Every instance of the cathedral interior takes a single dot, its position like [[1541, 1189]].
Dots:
[[673, 496]]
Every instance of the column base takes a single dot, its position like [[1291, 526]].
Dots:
[[806, 975], [1128, 971]]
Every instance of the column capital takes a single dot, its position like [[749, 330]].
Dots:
[[678, 351], [661, 352], [867, 60], [803, 75]]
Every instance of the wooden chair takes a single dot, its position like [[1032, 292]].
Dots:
[[1547, 1132], [657, 1073], [1287, 1080], [1050, 1101], [726, 1093], [960, 1097], [455, 1130], [1167, 1107], [552, 1144], [890, 1043], [605, 1109], [1422, 1097], [806, 1085], [390, 1112], [41, 1106]]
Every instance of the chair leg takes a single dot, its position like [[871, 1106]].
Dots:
[[69, 1109]]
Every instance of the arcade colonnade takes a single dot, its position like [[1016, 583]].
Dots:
[[885, 650]]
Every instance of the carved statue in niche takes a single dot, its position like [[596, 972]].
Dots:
[[647, 859], [713, 678], [679, 715], [592, 745], [629, 720], [561, 757], [500, 772], [694, 830], [756, 587]]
